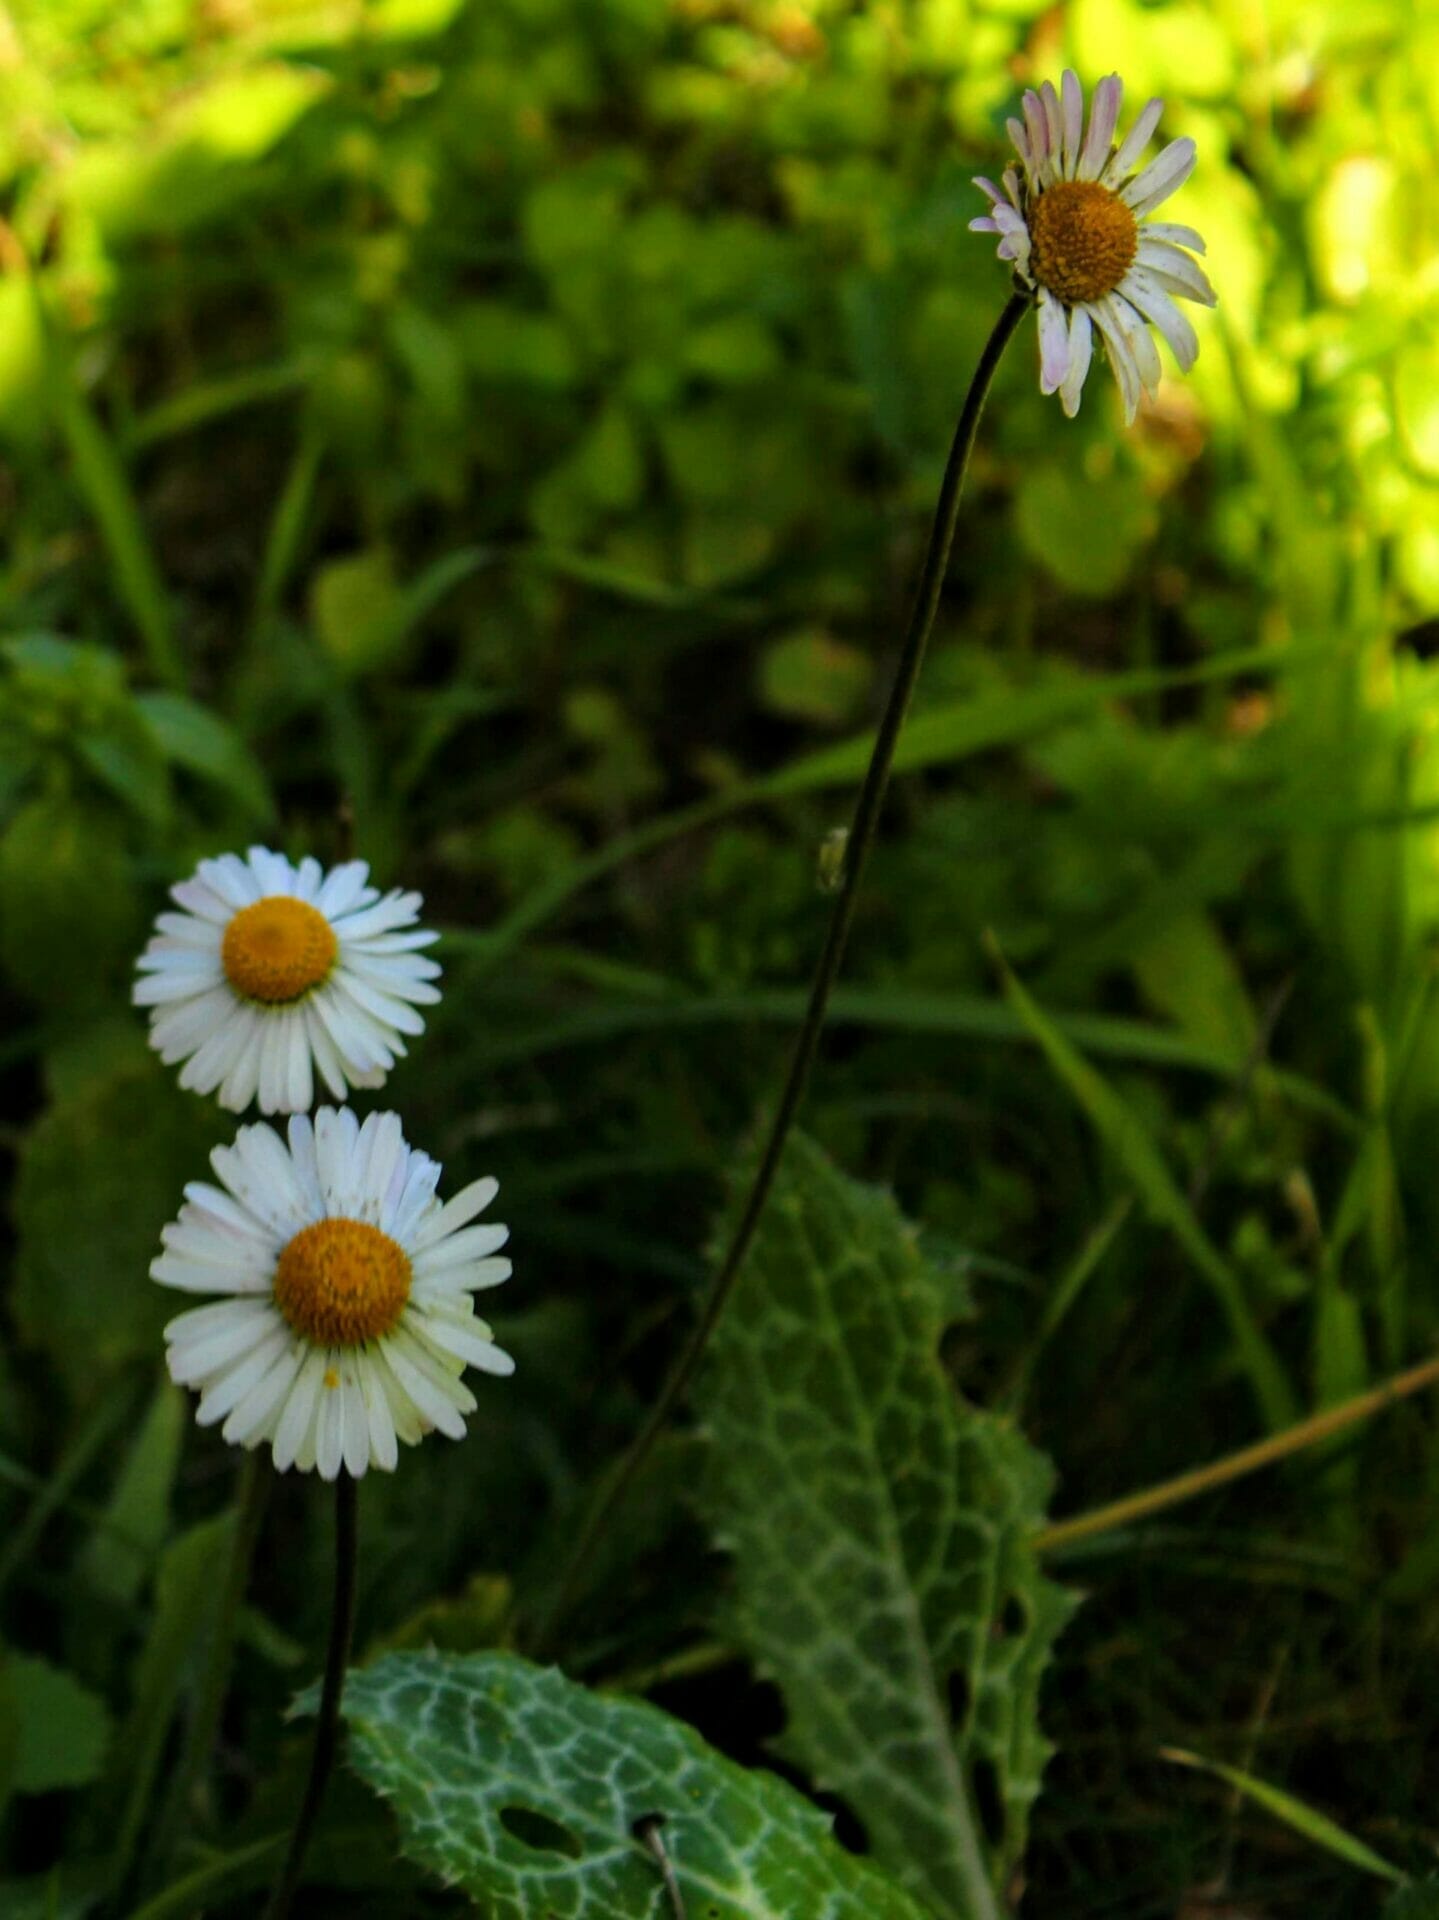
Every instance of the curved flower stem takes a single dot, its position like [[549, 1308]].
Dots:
[[860, 839], [342, 1627]]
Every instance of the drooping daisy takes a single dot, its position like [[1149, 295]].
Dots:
[[1075, 223], [348, 1321], [273, 970]]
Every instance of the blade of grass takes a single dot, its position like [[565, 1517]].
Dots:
[[962, 1016], [101, 477], [933, 738], [1301, 1819], [1132, 1146]]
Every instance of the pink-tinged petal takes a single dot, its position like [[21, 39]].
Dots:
[[1176, 271], [1177, 236], [1011, 186], [1103, 118], [1053, 121], [1145, 292], [1135, 141], [1120, 359], [1142, 349], [1037, 128], [1020, 140], [1053, 343], [1071, 112], [1081, 347], [984, 225], [1160, 178], [986, 187]]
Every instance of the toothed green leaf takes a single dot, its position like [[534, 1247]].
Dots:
[[879, 1528], [526, 1790]]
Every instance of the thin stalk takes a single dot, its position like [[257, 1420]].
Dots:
[[1233, 1466], [327, 1730], [251, 1500], [860, 840]]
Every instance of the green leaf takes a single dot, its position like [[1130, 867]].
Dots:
[[99, 1175], [1126, 1137], [188, 1589], [116, 1559], [1418, 1901], [203, 743], [68, 911], [524, 1790], [363, 617], [1304, 1820], [61, 1728], [810, 675], [1057, 509], [101, 478], [879, 1527]]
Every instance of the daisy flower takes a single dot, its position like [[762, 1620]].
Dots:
[[273, 970], [348, 1319], [1074, 220]]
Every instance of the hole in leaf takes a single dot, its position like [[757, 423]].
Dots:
[[539, 1831], [849, 1829], [959, 1698], [1013, 1619], [989, 1802]]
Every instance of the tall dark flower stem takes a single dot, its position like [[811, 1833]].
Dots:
[[857, 849], [327, 1729]]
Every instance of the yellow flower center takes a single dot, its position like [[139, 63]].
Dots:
[[340, 1283], [1082, 240], [278, 949]]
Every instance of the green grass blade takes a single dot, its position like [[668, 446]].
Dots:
[[1294, 1813], [101, 477], [1134, 1149]]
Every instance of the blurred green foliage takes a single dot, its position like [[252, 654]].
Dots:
[[499, 433]]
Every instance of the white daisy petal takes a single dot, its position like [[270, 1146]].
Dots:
[[1103, 118], [1176, 235], [342, 1317], [384, 1446], [1174, 269], [1071, 110], [275, 972], [457, 1212], [1146, 293], [1161, 178], [1134, 143], [1078, 234], [1081, 347], [342, 888], [1142, 349], [254, 1418], [298, 1415], [1037, 127], [354, 1426], [1053, 121], [1121, 361], [1053, 342]]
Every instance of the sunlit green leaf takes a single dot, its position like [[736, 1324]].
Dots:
[[526, 1791]]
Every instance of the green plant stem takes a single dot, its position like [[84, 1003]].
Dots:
[[1233, 1466], [251, 1500], [861, 838], [327, 1730]]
